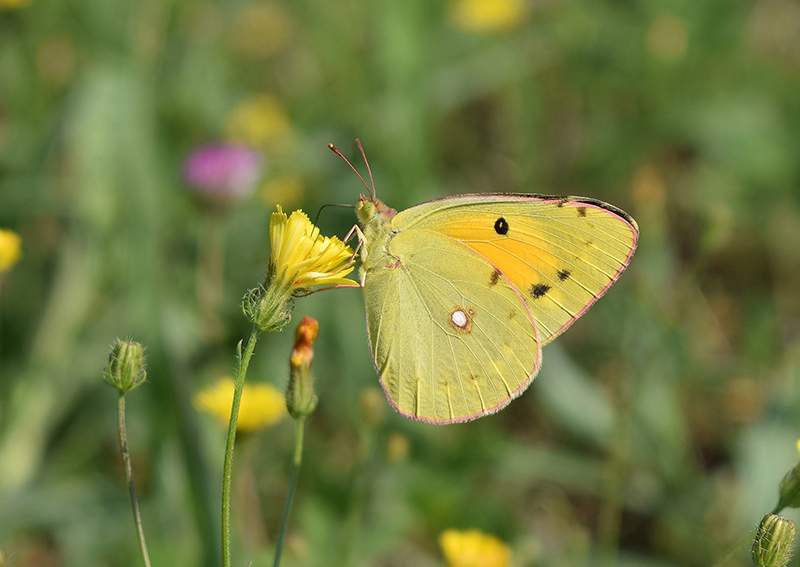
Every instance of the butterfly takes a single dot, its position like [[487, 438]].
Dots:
[[461, 293]]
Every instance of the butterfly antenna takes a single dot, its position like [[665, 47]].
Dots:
[[319, 212], [371, 180], [333, 148]]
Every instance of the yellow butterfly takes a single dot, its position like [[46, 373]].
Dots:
[[461, 293]]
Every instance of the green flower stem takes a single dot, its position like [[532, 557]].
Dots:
[[241, 370], [298, 458], [126, 460], [745, 542]]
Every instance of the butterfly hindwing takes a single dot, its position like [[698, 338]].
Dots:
[[562, 254], [451, 337]]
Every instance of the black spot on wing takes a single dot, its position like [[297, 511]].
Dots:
[[581, 211], [501, 226], [494, 278], [539, 290], [563, 274]]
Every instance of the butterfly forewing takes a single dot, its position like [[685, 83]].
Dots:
[[451, 337], [562, 254]]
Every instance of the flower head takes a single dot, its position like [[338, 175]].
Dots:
[[302, 258], [486, 16], [10, 249], [262, 405], [224, 174], [473, 548]]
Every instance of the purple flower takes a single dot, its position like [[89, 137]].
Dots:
[[223, 174]]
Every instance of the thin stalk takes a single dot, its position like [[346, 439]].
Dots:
[[241, 371], [298, 458], [126, 460]]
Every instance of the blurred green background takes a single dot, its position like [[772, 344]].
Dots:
[[660, 424]]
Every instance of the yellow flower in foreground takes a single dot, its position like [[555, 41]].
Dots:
[[486, 16], [262, 405], [473, 548], [302, 258], [10, 247]]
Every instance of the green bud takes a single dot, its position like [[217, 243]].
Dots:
[[126, 365], [270, 307], [790, 489], [772, 546], [301, 399]]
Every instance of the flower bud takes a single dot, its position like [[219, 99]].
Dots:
[[126, 365], [790, 489], [772, 546], [300, 397]]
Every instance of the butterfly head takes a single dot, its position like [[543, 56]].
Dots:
[[370, 210]]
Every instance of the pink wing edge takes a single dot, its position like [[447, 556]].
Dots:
[[634, 230]]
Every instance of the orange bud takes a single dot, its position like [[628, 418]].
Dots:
[[300, 397]]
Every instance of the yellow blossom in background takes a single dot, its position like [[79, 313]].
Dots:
[[486, 16], [262, 405], [473, 548], [287, 189], [667, 38], [301, 257], [260, 121], [13, 4], [397, 447], [261, 29], [55, 59], [798, 445], [10, 248]]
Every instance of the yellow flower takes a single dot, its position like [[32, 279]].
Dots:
[[13, 4], [10, 247], [260, 121], [486, 16], [302, 258], [262, 405], [473, 548]]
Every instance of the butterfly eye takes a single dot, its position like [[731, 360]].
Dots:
[[501, 226]]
